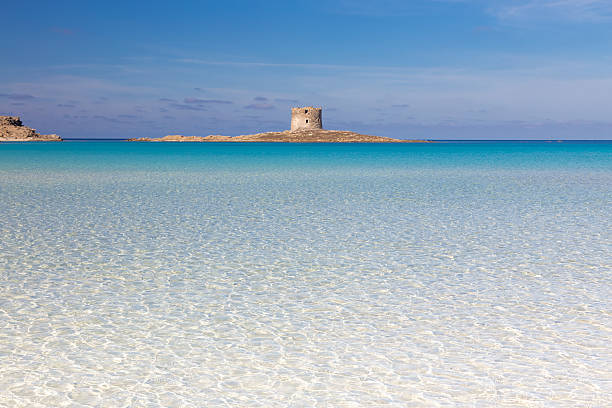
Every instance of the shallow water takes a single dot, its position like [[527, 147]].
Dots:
[[262, 275]]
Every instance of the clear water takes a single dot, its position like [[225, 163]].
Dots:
[[266, 275]]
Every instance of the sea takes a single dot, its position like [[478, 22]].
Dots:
[[449, 274]]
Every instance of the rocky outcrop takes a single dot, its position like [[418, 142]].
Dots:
[[180, 138], [12, 130], [299, 136]]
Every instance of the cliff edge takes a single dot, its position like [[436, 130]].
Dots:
[[13, 130], [298, 136]]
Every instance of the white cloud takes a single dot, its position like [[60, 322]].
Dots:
[[565, 10], [506, 10]]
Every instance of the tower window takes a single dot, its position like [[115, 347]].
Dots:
[[306, 120], [306, 111]]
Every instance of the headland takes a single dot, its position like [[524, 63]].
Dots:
[[13, 130]]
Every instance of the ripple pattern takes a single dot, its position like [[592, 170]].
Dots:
[[316, 286]]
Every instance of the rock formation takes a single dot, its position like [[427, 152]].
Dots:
[[12, 130], [299, 136]]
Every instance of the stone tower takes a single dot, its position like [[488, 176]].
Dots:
[[306, 118]]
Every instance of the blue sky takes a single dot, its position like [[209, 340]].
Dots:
[[437, 69]]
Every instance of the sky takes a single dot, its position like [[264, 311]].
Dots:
[[434, 69]]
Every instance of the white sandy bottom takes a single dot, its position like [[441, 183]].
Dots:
[[327, 289]]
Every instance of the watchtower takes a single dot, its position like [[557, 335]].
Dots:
[[306, 118]]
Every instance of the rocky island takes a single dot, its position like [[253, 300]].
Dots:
[[306, 127], [288, 136], [13, 130]]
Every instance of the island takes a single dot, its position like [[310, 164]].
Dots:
[[287, 136], [13, 130], [306, 127]]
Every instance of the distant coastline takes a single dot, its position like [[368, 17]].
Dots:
[[298, 136]]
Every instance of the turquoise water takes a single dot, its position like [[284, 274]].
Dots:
[[267, 275]]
